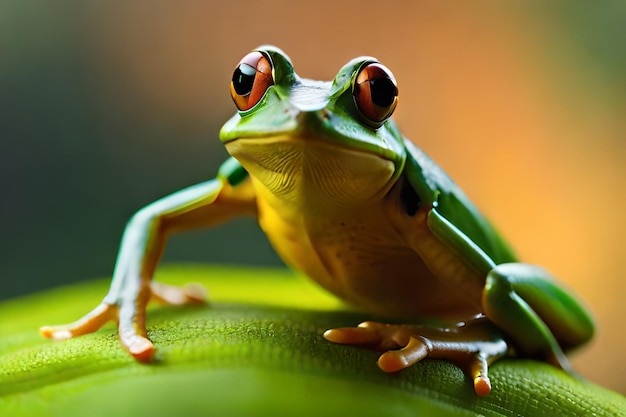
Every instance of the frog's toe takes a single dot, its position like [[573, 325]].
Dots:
[[396, 360], [89, 323], [362, 335], [140, 347], [377, 336], [170, 294], [132, 332], [478, 368]]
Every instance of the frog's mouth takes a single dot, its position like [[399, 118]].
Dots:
[[313, 126], [304, 169]]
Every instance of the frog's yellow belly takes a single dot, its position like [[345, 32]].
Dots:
[[328, 210], [362, 259]]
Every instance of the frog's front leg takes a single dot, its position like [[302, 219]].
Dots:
[[143, 242], [472, 345]]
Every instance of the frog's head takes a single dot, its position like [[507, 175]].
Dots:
[[288, 130]]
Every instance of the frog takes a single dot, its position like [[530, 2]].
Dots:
[[345, 199]]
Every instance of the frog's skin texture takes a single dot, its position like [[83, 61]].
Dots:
[[344, 198]]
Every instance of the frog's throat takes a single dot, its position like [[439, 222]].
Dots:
[[302, 170]]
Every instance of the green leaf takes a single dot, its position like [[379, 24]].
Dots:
[[255, 350]]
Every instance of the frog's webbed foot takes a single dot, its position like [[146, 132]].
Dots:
[[473, 346], [130, 315]]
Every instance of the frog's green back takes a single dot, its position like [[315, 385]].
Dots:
[[431, 182]]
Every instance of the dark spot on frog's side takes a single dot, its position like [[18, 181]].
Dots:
[[409, 198]]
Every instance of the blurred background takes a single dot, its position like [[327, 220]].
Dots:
[[106, 106]]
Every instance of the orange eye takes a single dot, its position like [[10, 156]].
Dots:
[[375, 93], [251, 79]]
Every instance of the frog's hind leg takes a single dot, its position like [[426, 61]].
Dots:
[[538, 315]]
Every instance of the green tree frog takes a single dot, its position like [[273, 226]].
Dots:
[[344, 198]]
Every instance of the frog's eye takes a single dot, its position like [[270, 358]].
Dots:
[[375, 93], [251, 79]]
